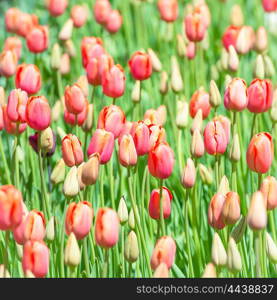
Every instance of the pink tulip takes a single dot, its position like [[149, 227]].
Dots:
[[235, 97], [154, 203], [37, 39], [8, 63], [114, 21], [168, 10], [28, 78], [127, 153], [16, 107], [141, 136], [215, 211], [74, 99], [11, 127], [140, 65], [72, 150], [102, 10], [113, 82], [13, 43], [79, 14], [200, 100], [34, 226], [56, 7], [269, 190], [189, 174]]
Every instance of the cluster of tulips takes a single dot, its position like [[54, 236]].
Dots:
[[98, 183]]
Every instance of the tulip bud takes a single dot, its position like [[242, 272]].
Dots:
[[181, 46], [131, 219], [223, 186], [122, 211], [50, 229], [79, 14], [34, 226], [210, 271], [135, 96], [257, 216], [234, 259], [197, 148], [156, 63], [37, 39], [176, 77], [182, 114], [140, 65], [235, 149], [8, 63], [224, 59], [65, 64], [2, 96], [271, 248], [239, 229], [189, 174], [79, 174], [219, 255], [90, 169], [66, 31], [161, 271], [215, 216], [163, 83], [72, 151], [215, 97], [273, 111], [70, 48], [259, 68], [19, 250], [72, 253], [88, 123], [233, 59], [154, 203], [28, 79], [200, 100], [58, 173], [56, 7], [127, 153], [231, 208], [236, 16], [47, 140], [268, 67], [205, 174], [131, 248], [197, 122], [261, 41], [71, 185], [269, 190]]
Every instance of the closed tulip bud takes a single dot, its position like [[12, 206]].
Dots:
[[164, 251], [131, 248], [136, 91], [114, 21], [234, 262], [154, 203], [257, 216], [210, 271], [8, 63], [72, 253], [79, 14], [102, 10], [106, 228], [90, 169], [239, 229], [71, 184], [181, 46], [235, 149], [56, 57], [156, 63], [231, 208], [131, 219], [197, 122], [161, 161], [219, 255], [65, 64], [79, 219], [19, 230], [215, 139], [236, 97], [260, 153], [47, 140], [205, 174], [112, 119], [215, 216], [268, 66], [224, 59], [236, 16], [35, 258], [25, 23], [176, 77], [215, 97], [161, 113], [13, 43], [214, 74], [269, 190], [11, 19], [245, 40], [164, 83], [273, 111], [58, 173], [182, 114], [168, 10], [189, 174], [161, 271], [66, 31], [140, 65], [271, 248], [113, 82], [259, 68], [28, 78], [79, 174], [50, 229], [56, 7], [233, 59], [122, 211], [200, 100], [37, 39], [74, 99], [2, 96], [11, 207], [34, 226], [261, 41], [72, 151], [197, 147], [10, 127], [70, 48], [223, 186], [195, 26], [127, 153], [141, 137], [16, 107]]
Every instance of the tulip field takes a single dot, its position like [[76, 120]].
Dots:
[[138, 138]]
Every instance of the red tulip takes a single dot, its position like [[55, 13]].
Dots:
[[91, 47], [74, 99], [154, 203], [113, 82], [37, 39], [200, 100], [269, 5], [189, 174], [28, 78], [230, 36], [140, 65], [215, 211], [195, 26], [141, 136]]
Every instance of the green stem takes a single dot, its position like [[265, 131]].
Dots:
[[85, 245], [162, 223], [105, 264]]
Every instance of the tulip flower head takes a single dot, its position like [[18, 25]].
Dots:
[[140, 65], [28, 78], [154, 203]]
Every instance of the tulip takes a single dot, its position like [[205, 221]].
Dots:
[[13, 43], [156, 63], [261, 42], [157, 135], [197, 147], [245, 40], [127, 153], [210, 271], [257, 216], [77, 119], [153, 117], [71, 186], [122, 211], [231, 208], [79, 176], [182, 114], [16, 107], [11, 19], [72, 151], [79, 219], [91, 47], [239, 229], [223, 186], [72, 253], [191, 50], [56, 7], [215, 139], [164, 252], [163, 83], [161, 161], [112, 119], [35, 258], [236, 16], [141, 136], [79, 15], [271, 248], [226, 124], [47, 142], [168, 10], [215, 211], [34, 226], [90, 169], [102, 10], [260, 95], [106, 228], [197, 122], [114, 21], [37, 39], [260, 153], [25, 24], [66, 31], [11, 127], [161, 271], [195, 27], [113, 82], [38, 113], [269, 190], [215, 97], [131, 219], [65, 64], [269, 5], [28, 78], [135, 96], [176, 77], [140, 65], [18, 231], [219, 255], [83, 84], [154, 203], [189, 174], [4, 273], [56, 57], [235, 153], [200, 100], [102, 142], [131, 248], [234, 259], [233, 59], [74, 99], [235, 97], [8, 63], [50, 229], [230, 36], [126, 129]]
